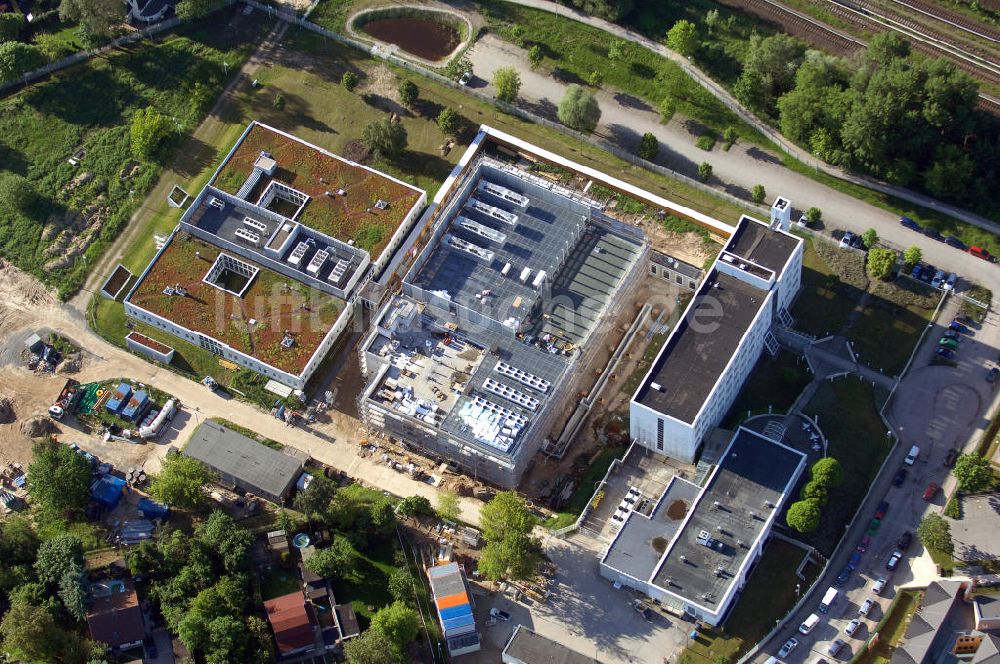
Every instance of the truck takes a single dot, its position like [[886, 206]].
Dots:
[[828, 599], [68, 397]]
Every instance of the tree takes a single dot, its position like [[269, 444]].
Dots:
[[458, 68], [729, 137], [912, 255], [58, 556], [447, 121], [315, 500], [769, 69], [17, 58], [74, 592], [804, 515], [712, 20], [610, 10], [648, 146], [99, 19], [974, 473], [408, 93], [191, 9], [180, 481], [448, 507], [682, 37], [758, 193], [881, 262], [506, 514], [579, 109], [372, 647], [18, 541], [618, 50], [416, 506], [385, 140], [827, 471], [595, 78], [382, 515], [814, 215], [398, 622], [950, 172], [260, 636], [228, 539], [10, 25], [935, 534], [705, 171], [30, 633], [870, 238], [335, 561], [535, 55], [667, 109], [816, 490], [515, 556], [147, 131], [349, 80], [507, 83], [58, 478], [400, 584]]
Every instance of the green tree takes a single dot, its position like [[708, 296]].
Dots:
[[804, 515], [398, 622], [408, 93], [17, 58], [507, 83], [74, 592], [618, 50], [147, 131], [705, 171], [56, 557], [416, 506], [610, 10], [263, 645], [729, 136], [31, 634], [400, 585], [885, 47], [448, 507], [682, 37], [814, 215], [815, 490], [506, 514], [231, 541], [372, 647], [99, 19], [579, 109], [535, 55], [382, 515], [385, 139], [912, 255], [192, 9], [935, 534], [974, 473], [58, 478], [667, 109], [870, 238], [648, 146], [828, 472], [448, 121], [180, 481], [10, 25], [881, 262], [515, 556], [315, 500], [349, 80], [458, 68], [18, 541], [950, 173], [769, 69], [595, 78], [758, 193], [336, 561]]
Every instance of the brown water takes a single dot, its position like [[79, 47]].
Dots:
[[422, 37]]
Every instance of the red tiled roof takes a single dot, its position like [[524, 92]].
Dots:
[[116, 619], [293, 628]]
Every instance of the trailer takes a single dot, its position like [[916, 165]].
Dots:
[[67, 400]]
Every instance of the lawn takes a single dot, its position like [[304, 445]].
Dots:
[[857, 439], [892, 628], [825, 301], [79, 210], [768, 596], [776, 382], [278, 581], [888, 328]]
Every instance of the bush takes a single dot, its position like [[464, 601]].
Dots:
[[535, 55], [804, 515], [814, 215], [456, 69], [578, 109], [384, 139], [447, 121], [408, 93], [706, 141], [648, 146], [828, 471], [279, 102], [705, 171], [595, 78], [507, 83], [935, 534], [667, 109], [683, 38], [881, 262], [17, 58], [349, 80], [758, 193], [953, 510], [870, 238], [729, 137], [974, 473], [912, 256]]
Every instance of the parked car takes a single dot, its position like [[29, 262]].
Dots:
[[499, 615], [958, 327], [854, 561], [873, 526], [863, 544], [912, 455], [847, 240], [949, 459], [866, 607], [948, 343], [809, 623], [844, 576], [951, 334], [882, 508], [933, 233], [803, 221], [950, 281], [893, 561], [903, 543], [852, 627], [927, 273], [900, 477], [789, 646], [915, 272], [643, 610], [991, 375], [945, 353], [466, 77], [978, 252], [930, 491], [909, 223], [953, 241], [965, 320], [834, 648], [938, 280], [879, 585]]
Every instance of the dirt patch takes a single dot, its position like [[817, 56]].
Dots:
[[677, 510], [688, 247], [381, 81], [659, 544]]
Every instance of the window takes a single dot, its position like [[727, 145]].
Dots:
[[659, 434], [652, 269], [679, 279]]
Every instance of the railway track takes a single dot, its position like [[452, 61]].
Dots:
[[952, 18], [800, 25]]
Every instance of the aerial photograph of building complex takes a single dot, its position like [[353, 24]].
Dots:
[[589, 331]]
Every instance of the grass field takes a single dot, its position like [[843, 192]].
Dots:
[[888, 328], [775, 381], [825, 301], [278, 581], [857, 438], [769, 594]]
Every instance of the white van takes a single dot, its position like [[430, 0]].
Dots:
[[828, 599], [912, 456], [808, 624]]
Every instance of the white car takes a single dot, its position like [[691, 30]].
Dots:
[[879, 585], [499, 615], [789, 646], [803, 221], [852, 627], [465, 78], [866, 607], [809, 623], [847, 240]]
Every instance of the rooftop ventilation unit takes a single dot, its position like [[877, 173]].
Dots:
[[523, 377], [539, 278], [217, 203], [298, 253], [288, 341], [248, 236], [493, 211], [476, 251], [253, 224], [316, 264], [659, 388], [503, 192], [525, 275], [482, 231], [507, 392], [338, 271]]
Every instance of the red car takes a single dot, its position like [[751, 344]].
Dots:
[[930, 491], [863, 544], [979, 252]]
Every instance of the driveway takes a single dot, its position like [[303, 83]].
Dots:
[[624, 119], [977, 533]]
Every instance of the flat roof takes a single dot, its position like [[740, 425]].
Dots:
[[274, 301], [733, 510], [314, 171], [245, 459], [701, 346], [762, 245], [529, 647]]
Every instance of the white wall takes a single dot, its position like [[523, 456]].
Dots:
[[679, 440]]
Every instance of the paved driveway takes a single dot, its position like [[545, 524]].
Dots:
[[977, 533]]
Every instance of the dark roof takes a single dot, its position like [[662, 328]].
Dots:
[[988, 606], [749, 486], [290, 620], [530, 647], [675, 264], [757, 243], [693, 358], [114, 617], [921, 638], [255, 465]]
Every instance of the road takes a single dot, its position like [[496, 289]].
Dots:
[[624, 119], [936, 408]]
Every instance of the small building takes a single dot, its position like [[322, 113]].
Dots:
[[277, 542], [454, 608], [114, 616], [932, 628], [34, 343], [137, 406], [527, 646], [244, 463], [293, 623], [118, 400], [107, 490], [150, 348], [987, 608]]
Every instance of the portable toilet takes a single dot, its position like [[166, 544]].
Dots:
[[137, 406], [119, 399]]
